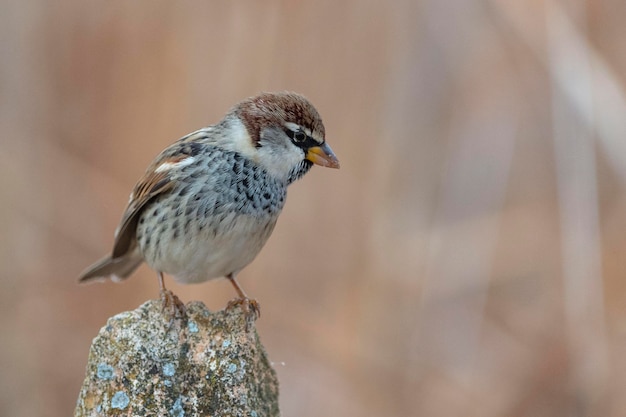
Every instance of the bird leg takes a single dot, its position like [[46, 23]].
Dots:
[[250, 305], [170, 301]]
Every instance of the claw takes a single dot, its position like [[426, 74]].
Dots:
[[250, 307], [169, 301], [172, 303]]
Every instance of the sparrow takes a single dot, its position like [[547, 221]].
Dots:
[[208, 203]]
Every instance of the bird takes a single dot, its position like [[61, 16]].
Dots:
[[208, 203]]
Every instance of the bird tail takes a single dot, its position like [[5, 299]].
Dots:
[[117, 269]]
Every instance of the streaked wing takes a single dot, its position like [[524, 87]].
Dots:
[[158, 179], [154, 183]]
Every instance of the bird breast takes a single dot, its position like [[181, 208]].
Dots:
[[214, 221]]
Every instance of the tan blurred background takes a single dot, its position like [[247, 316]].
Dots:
[[468, 259]]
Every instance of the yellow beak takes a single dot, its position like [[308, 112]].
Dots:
[[322, 155]]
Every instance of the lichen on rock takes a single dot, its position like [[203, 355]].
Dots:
[[209, 364]]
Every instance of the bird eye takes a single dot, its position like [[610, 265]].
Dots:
[[299, 136]]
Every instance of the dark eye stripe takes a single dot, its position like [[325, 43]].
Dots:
[[295, 137]]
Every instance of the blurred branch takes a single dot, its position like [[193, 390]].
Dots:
[[588, 82], [210, 365], [571, 61], [467, 226]]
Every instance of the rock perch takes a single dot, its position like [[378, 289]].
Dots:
[[211, 364]]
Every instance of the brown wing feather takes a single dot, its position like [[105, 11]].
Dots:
[[154, 183], [150, 186], [158, 179]]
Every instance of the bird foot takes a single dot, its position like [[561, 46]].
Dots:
[[250, 307], [172, 304]]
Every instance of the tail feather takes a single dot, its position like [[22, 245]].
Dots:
[[117, 269]]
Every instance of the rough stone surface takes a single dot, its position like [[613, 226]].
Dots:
[[211, 364]]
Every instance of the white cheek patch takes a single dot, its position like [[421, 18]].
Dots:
[[239, 140], [166, 166], [279, 162]]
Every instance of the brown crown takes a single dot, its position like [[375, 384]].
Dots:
[[274, 109]]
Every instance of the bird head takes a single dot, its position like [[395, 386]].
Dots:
[[284, 133]]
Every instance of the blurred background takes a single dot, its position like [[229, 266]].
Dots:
[[467, 260]]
